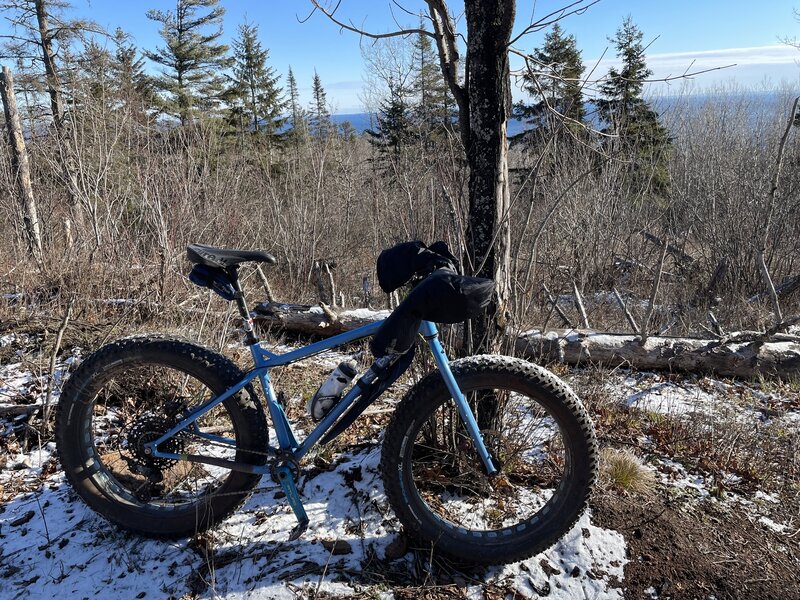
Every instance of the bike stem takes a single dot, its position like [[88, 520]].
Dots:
[[431, 335]]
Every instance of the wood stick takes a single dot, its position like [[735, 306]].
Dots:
[[556, 307], [579, 305], [53, 357], [265, 283], [634, 325], [654, 292]]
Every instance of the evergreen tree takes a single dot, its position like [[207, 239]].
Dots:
[[631, 118], [394, 122], [96, 72], [298, 120], [256, 94], [134, 87], [434, 110], [191, 58], [556, 84], [320, 120]]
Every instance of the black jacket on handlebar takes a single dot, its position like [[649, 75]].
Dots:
[[444, 296]]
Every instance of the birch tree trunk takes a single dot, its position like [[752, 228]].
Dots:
[[20, 165]]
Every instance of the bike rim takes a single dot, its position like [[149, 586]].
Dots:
[[448, 479], [136, 404]]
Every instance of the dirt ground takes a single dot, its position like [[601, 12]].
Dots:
[[681, 549]]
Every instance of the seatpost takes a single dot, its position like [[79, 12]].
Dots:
[[241, 304]]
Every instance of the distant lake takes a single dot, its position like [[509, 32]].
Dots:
[[663, 104]]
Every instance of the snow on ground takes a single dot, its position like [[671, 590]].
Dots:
[[20, 386], [52, 545], [707, 396]]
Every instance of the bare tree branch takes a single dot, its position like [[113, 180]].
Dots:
[[350, 26], [574, 8]]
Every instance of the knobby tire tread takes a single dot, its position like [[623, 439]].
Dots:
[[418, 400], [227, 375]]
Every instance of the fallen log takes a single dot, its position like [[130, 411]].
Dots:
[[313, 320], [744, 356], [729, 359]]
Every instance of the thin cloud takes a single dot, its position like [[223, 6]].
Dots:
[[708, 59], [748, 66]]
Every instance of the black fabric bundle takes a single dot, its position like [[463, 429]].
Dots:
[[398, 264], [214, 278], [444, 296]]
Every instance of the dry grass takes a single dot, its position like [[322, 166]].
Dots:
[[623, 471]]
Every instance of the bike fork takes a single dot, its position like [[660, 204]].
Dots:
[[431, 335]]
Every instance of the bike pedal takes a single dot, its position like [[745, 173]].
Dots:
[[298, 530]]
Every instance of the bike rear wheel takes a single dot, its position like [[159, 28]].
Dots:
[[539, 435], [133, 391]]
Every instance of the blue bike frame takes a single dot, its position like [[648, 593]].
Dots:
[[288, 446]]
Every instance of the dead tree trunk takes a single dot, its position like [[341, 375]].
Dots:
[[20, 165], [51, 72]]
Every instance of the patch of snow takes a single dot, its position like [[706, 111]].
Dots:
[[772, 525], [606, 340], [367, 313], [772, 498], [119, 301], [670, 399], [65, 549], [675, 474], [588, 562]]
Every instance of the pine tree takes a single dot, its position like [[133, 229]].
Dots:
[[255, 93], [394, 122], [191, 59], [96, 73], [320, 121], [134, 87], [298, 120], [630, 117], [434, 110], [556, 83]]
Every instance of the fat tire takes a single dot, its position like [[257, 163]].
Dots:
[[424, 399], [214, 370]]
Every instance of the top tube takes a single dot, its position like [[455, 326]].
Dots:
[[264, 358]]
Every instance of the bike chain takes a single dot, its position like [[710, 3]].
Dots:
[[279, 457]]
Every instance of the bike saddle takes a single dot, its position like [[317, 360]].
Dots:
[[225, 257]]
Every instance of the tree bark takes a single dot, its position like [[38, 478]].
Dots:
[[51, 72], [20, 165], [488, 83], [746, 359]]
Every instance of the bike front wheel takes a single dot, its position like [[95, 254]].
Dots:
[[539, 436], [133, 391]]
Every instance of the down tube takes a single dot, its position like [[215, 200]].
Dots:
[[431, 335]]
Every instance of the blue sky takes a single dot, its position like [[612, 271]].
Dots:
[[685, 34]]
